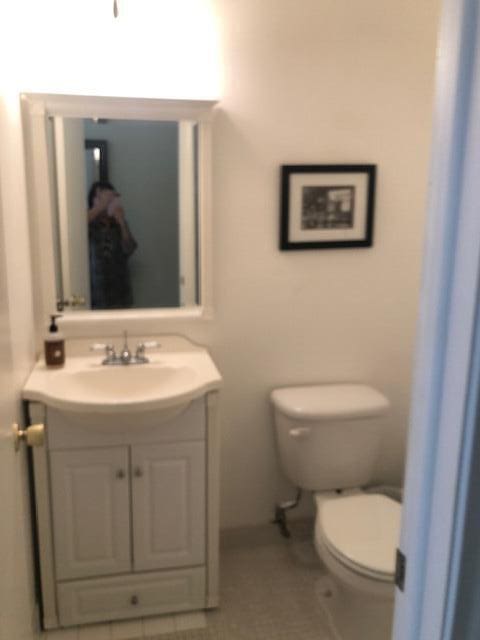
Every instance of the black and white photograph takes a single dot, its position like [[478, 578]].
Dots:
[[327, 206]]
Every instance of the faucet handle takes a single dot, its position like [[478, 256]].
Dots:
[[150, 344], [101, 346], [141, 346], [109, 351]]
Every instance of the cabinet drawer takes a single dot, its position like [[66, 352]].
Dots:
[[103, 599]]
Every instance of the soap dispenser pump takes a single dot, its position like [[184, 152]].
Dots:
[[54, 345]]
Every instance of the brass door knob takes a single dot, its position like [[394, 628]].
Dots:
[[32, 435]]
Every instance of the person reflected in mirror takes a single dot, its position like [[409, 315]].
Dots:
[[111, 243]]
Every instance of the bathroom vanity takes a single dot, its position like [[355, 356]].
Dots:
[[126, 486], [126, 481]]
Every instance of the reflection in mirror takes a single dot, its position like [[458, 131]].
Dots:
[[96, 161], [127, 221]]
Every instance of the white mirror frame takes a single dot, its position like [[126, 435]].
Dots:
[[36, 108]]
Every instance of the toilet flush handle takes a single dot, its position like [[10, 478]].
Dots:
[[299, 432]]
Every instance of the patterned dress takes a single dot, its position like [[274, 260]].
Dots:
[[110, 286]]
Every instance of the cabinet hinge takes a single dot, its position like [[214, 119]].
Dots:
[[400, 570]]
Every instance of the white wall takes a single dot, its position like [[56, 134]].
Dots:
[[315, 81]]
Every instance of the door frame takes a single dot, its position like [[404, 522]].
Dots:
[[442, 422]]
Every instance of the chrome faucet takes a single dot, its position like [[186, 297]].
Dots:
[[125, 356]]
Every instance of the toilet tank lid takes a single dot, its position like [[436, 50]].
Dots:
[[330, 401]]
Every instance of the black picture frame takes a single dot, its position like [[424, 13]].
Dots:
[[327, 206]]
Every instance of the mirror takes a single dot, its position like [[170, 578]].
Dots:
[[126, 200], [127, 212]]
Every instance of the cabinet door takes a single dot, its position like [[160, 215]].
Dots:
[[91, 512], [168, 495]]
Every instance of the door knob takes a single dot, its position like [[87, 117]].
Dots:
[[120, 474], [32, 435], [137, 472]]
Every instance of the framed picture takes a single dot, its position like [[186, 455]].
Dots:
[[327, 206]]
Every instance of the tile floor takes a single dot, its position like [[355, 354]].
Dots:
[[164, 626], [269, 591]]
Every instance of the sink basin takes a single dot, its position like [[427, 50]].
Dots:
[[120, 386], [170, 381]]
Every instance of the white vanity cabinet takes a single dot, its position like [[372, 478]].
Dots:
[[127, 513]]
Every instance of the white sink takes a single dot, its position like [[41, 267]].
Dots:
[[171, 380]]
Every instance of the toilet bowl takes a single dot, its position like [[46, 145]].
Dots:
[[328, 439], [356, 535]]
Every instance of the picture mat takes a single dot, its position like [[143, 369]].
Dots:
[[300, 180]]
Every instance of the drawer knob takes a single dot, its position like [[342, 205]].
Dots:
[[138, 473], [134, 600], [120, 474]]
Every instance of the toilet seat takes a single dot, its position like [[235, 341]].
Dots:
[[361, 531]]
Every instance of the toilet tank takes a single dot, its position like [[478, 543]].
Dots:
[[328, 435]]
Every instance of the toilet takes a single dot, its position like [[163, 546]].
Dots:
[[328, 440]]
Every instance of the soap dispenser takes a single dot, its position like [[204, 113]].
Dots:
[[54, 345]]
